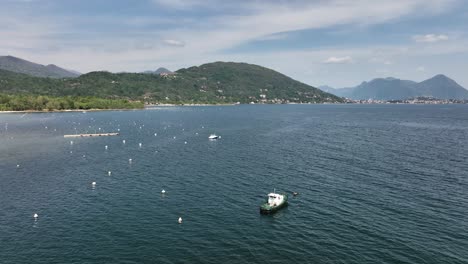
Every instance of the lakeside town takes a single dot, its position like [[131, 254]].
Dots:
[[417, 100]]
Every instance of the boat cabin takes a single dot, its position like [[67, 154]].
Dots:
[[275, 199]]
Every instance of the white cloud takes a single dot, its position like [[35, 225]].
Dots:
[[339, 60], [430, 38], [173, 42]]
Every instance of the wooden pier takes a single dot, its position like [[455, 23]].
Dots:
[[91, 135]]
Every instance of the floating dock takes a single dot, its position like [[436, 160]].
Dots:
[[91, 135]]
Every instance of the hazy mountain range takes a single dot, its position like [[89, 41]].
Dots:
[[18, 65], [439, 86], [160, 70]]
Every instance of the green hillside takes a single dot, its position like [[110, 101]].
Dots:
[[213, 83]]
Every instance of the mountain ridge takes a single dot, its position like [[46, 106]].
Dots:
[[18, 65], [439, 86], [217, 82]]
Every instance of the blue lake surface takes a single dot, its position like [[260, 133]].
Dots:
[[376, 184]]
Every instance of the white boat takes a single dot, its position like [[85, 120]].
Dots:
[[275, 202], [213, 137]]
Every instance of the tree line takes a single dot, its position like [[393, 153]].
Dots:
[[23, 102]]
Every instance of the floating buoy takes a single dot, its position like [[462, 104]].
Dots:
[[93, 183], [185, 142], [139, 144], [130, 161], [71, 151], [17, 166], [174, 137], [295, 193], [109, 173], [163, 191], [155, 134], [71, 142], [123, 141], [118, 129], [180, 220], [84, 156], [35, 216], [196, 133], [106, 147]]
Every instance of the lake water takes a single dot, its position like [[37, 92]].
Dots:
[[376, 184]]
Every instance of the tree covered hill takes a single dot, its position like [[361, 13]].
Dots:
[[219, 82]]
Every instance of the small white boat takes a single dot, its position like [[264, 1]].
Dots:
[[274, 203], [213, 137]]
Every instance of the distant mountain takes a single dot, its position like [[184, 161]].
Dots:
[[213, 83], [160, 70], [326, 88], [440, 86], [13, 64]]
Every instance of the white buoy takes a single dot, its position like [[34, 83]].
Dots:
[[36, 216], [109, 173], [17, 166], [123, 141], [93, 183], [185, 142], [155, 134], [180, 220], [71, 142], [71, 151], [196, 133], [130, 161], [106, 147], [163, 191], [139, 144], [118, 129], [174, 137], [84, 156]]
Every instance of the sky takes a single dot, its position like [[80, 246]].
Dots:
[[339, 43]]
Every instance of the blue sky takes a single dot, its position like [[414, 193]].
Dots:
[[338, 42]]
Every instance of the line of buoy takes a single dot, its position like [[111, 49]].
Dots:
[[109, 173], [35, 216], [163, 191], [180, 220]]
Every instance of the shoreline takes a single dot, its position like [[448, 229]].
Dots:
[[190, 105]]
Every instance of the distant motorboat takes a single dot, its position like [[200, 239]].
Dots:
[[213, 137], [274, 203]]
